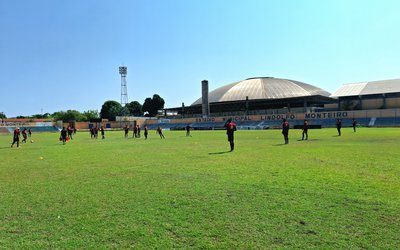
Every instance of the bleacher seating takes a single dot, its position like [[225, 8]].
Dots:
[[37, 129], [387, 121]]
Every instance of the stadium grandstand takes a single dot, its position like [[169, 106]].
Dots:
[[262, 102], [367, 95], [260, 95]]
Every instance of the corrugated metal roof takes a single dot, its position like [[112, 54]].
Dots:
[[368, 88], [262, 88]]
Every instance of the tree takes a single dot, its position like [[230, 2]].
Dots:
[[152, 105], [91, 114], [147, 105], [135, 108], [69, 115], [2, 115], [110, 110], [41, 116]]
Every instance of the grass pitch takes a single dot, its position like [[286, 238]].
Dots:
[[189, 192]]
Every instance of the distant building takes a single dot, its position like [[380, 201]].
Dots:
[[383, 94], [259, 95]]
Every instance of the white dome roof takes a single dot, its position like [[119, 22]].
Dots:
[[262, 88]]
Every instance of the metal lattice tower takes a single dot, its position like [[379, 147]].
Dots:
[[123, 71]]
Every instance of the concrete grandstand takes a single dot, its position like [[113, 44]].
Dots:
[[262, 102]]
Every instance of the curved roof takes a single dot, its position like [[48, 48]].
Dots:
[[262, 88], [368, 88]]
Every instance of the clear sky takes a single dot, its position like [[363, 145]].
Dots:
[[59, 55]]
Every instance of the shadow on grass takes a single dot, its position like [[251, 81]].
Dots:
[[283, 144], [219, 153]]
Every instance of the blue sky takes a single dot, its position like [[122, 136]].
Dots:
[[59, 55]]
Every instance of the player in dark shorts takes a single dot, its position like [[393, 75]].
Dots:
[[305, 130], [134, 132], [146, 132], [69, 131], [16, 137], [63, 135], [188, 130], [285, 130], [159, 131], [126, 129], [96, 132], [92, 133], [102, 132], [24, 135], [30, 132], [354, 123], [230, 130], [138, 131], [339, 126]]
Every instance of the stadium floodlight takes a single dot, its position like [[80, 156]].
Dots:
[[123, 71]]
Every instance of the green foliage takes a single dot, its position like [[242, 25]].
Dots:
[[41, 116], [190, 193], [135, 108], [91, 114], [152, 105], [110, 110], [69, 115], [2, 115]]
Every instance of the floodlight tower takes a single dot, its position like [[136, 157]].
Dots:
[[123, 71]]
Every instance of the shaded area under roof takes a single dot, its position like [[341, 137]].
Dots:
[[368, 88]]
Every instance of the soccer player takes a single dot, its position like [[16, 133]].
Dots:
[[230, 129], [305, 130], [69, 131], [339, 126], [96, 132], [188, 130], [126, 128], [134, 131], [354, 125], [63, 135], [285, 130], [138, 131], [102, 132], [30, 132], [146, 132], [92, 133], [159, 131], [16, 137], [25, 135]]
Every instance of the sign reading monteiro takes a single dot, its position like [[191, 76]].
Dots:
[[326, 115]]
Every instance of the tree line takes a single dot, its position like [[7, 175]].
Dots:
[[150, 107], [109, 110]]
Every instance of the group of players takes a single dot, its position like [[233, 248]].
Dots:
[[231, 128], [136, 132], [66, 133], [25, 134]]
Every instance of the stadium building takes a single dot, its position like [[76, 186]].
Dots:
[[260, 95], [262, 102], [367, 96]]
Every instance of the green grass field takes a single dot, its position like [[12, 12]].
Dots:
[[188, 192]]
